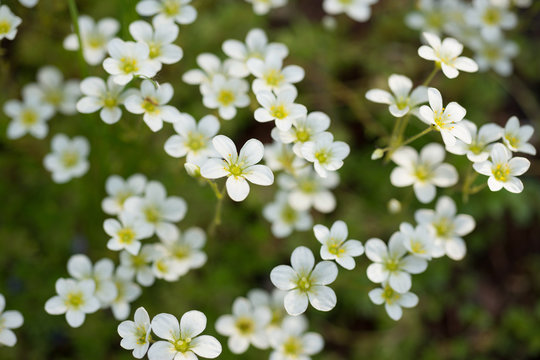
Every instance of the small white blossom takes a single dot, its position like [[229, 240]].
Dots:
[[516, 137], [285, 218], [159, 39], [136, 334], [271, 75], [335, 245], [490, 18], [272, 301], [141, 264], [126, 233], [430, 16], [306, 282], [9, 320], [292, 342], [128, 59], [496, 54], [28, 117], [210, 66], [225, 95], [418, 241], [262, 7], [119, 190], [28, 3], [68, 158], [80, 268], [393, 301], [279, 156], [326, 154], [8, 23], [478, 149], [304, 128], [178, 11], [280, 108], [358, 10]]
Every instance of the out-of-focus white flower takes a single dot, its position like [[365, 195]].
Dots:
[[238, 168], [178, 11], [68, 158], [95, 37], [126, 233], [274, 302], [28, 117], [358, 10], [8, 23], [245, 326], [490, 18], [446, 120], [516, 137], [210, 66], [279, 156], [446, 54], [393, 301], [51, 89], [496, 54], [9, 320], [256, 46], [448, 228], [107, 96], [159, 39], [326, 154], [225, 95], [129, 59], [478, 149], [430, 17], [503, 169], [392, 263], [80, 268], [141, 264], [281, 107], [127, 292], [306, 282], [335, 245], [75, 299], [304, 128], [152, 102], [418, 241], [401, 100], [262, 7], [193, 138], [136, 334], [182, 340], [285, 218], [292, 342], [119, 190], [424, 171], [271, 75]]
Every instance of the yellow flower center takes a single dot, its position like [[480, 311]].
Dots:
[[389, 295], [274, 77], [95, 41], [245, 325], [110, 101], [476, 147], [289, 215], [152, 214], [293, 346], [322, 156], [129, 65], [492, 16], [278, 111], [126, 235], [70, 159], [402, 103], [150, 105], [304, 283], [444, 227], [501, 172], [29, 117], [225, 97], [141, 333], [308, 186], [161, 265], [392, 264], [302, 135], [195, 142], [182, 345], [235, 170], [171, 7], [512, 140], [74, 300], [181, 251], [5, 27], [54, 97], [417, 247], [335, 248], [422, 173], [155, 50], [435, 20], [138, 261]]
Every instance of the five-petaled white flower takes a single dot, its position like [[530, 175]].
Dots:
[[261, 7], [446, 120], [418, 241], [68, 158], [503, 169], [152, 102], [239, 168], [280, 107], [446, 54], [401, 100], [478, 149], [392, 263], [129, 59], [516, 137], [80, 268], [335, 245], [271, 75], [496, 54], [141, 264], [182, 340], [8, 23], [393, 301], [325, 153], [358, 10], [284, 217], [178, 11], [306, 282], [119, 190], [75, 299], [447, 227], [136, 334], [225, 95], [9, 320], [424, 171], [29, 116], [304, 128], [126, 233], [292, 342], [210, 66], [491, 18]]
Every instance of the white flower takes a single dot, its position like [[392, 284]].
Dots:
[[304, 128], [193, 138], [447, 227], [107, 96], [136, 334], [262, 7], [183, 340], [274, 302], [163, 266], [95, 37], [393, 301], [51, 89], [80, 268], [225, 95], [424, 171], [446, 55], [151, 102], [239, 168], [490, 18], [127, 292], [503, 170], [126, 233], [401, 100], [129, 59], [68, 158], [292, 342], [28, 3], [10, 319], [326, 154], [335, 245], [211, 66], [430, 17], [392, 264], [29, 116], [271, 75], [178, 11], [285, 218], [119, 190], [516, 137], [75, 299], [418, 241], [141, 264], [306, 189], [159, 39], [8, 23], [358, 10], [305, 281], [245, 326], [478, 149], [495, 54], [279, 156], [280, 107], [256, 46], [446, 120], [158, 210]]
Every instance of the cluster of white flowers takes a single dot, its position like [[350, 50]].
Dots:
[[259, 320], [480, 25], [10, 319]]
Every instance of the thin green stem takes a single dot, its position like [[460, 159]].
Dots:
[[75, 20], [216, 221], [469, 179], [414, 137], [215, 188], [431, 75]]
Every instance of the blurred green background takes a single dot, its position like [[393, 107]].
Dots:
[[484, 307]]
